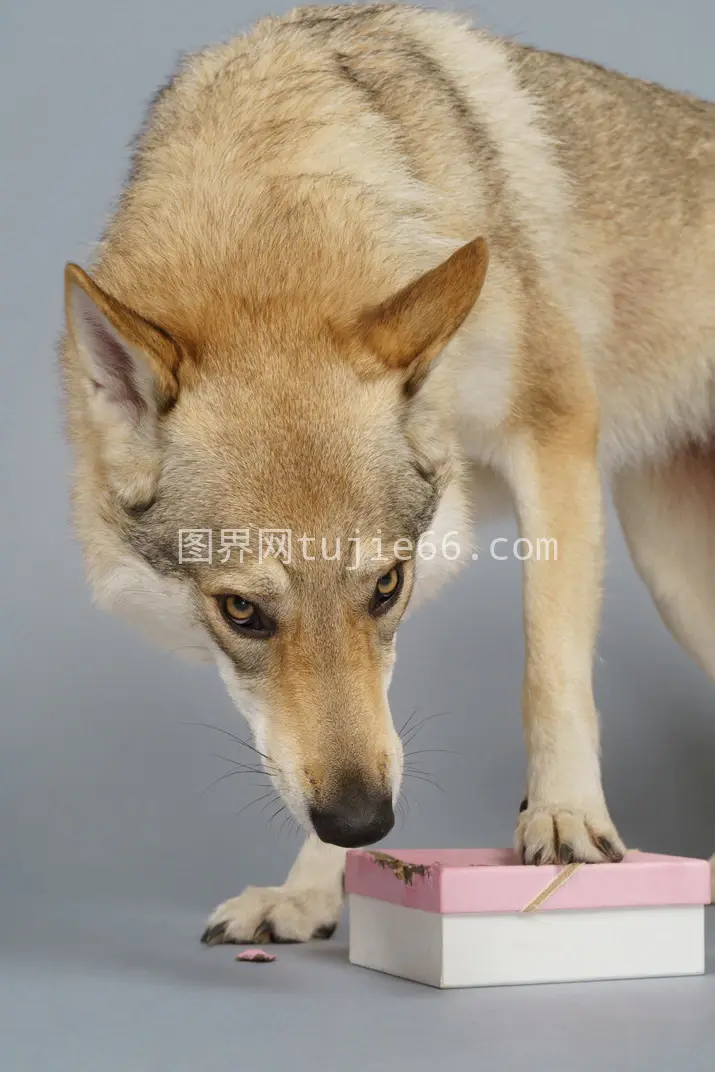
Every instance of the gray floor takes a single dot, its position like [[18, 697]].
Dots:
[[122, 991]]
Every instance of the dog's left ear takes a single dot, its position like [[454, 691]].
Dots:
[[410, 329]]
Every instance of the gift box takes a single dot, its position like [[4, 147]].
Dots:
[[479, 917]]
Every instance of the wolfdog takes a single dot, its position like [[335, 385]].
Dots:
[[373, 268]]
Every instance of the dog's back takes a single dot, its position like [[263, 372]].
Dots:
[[369, 141]]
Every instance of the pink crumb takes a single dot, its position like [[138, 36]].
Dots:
[[257, 956]]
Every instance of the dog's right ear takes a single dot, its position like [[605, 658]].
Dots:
[[129, 367], [410, 329], [129, 361]]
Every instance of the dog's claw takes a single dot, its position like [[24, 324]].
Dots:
[[608, 849], [566, 854], [325, 932], [215, 935]]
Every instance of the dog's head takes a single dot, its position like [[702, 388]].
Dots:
[[274, 505]]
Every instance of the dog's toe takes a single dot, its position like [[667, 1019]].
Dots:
[[274, 914], [561, 835], [273, 935]]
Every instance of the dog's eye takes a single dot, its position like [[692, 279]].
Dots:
[[245, 617], [387, 589], [239, 610]]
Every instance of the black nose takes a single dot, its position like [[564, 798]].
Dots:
[[354, 820]]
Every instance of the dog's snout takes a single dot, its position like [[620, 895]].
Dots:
[[357, 816], [352, 827]]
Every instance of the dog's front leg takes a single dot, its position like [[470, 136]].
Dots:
[[307, 905], [557, 489]]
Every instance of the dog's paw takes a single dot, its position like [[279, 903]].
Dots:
[[274, 914], [557, 835]]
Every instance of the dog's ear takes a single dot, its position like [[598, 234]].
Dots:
[[411, 328], [131, 362], [129, 368]]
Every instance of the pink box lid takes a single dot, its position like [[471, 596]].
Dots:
[[451, 881]]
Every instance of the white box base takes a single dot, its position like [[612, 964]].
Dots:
[[487, 949]]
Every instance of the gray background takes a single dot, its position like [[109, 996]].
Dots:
[[110, 852]]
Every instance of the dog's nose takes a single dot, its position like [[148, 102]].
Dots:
[[354, 820]]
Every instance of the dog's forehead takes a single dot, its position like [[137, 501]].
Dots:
[[321, 454]]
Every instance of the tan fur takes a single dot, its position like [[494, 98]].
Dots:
[[307, 226], [413, 327]]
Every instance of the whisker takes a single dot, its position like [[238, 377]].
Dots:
[[263, 769], [419, 727], [275, 815], [407, 721], [266, 806], [286, 819], [239, 740], [293, 825], [428, 718], [257, 801], [424, 778], [425, 751], [230, 774], [238, 762], [412, 769], [412, 732]]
